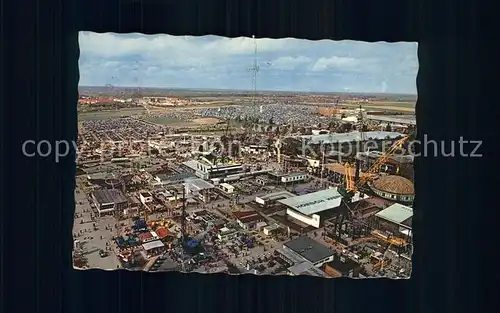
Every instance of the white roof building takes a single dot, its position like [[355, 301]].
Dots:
[[351, 136], [305, 208], [153, 245], [397, 214]]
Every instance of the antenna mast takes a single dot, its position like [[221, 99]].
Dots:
[[254, 69]]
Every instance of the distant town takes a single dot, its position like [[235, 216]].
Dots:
[[244, 182]]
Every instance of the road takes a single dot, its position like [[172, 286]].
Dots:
[[94, 239]]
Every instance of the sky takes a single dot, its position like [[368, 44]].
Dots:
[[213, 62]]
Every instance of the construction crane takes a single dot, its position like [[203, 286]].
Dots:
[[384, 261], [375, 168], [348, 191], [350, 185]]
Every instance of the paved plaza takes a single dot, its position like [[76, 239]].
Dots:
[[94, 238]]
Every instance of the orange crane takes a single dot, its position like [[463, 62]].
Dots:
[[375, 168], [351, 186], [384, 261]]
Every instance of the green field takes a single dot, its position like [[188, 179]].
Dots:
[[386, 106], [396, 104], [102, 115], [164, 120]]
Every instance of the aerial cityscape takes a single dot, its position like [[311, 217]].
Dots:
[[244, 155]]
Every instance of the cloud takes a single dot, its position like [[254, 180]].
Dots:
[[289, 63], [334, 62], [218, 62]]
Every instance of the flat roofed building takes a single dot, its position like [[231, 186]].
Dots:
[[306, 268], [393, 225], [342, 266], [287, 177], [306, 208], [299, 268], [153, 247], [294, 177], [207, 170], [398, 214], [294, 163], [262, 180], [226, 233], [227, 188], [354, 136], [307, 249], [392, 119], [270, 229], [198, 184], [248, 219], [198, 188], [255, 149], [109, 201], [271, 198], [172, 179], [146, 197]]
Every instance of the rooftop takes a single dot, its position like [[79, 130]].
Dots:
[[162, 232], [399, 119], [198, 184], [277, 195], [394, 184], [226, 185], [175, 176], [153, 245], [145, 236], [314, 271], [396, 213], [192, 164], [339, 168], [295, 174], [309, 249], [352, 136], [243, 214], [300, 268], [395, 157], [247, 216], [314, 202], [109, 196]]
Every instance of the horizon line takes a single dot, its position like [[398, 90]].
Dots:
[[251, 91]]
